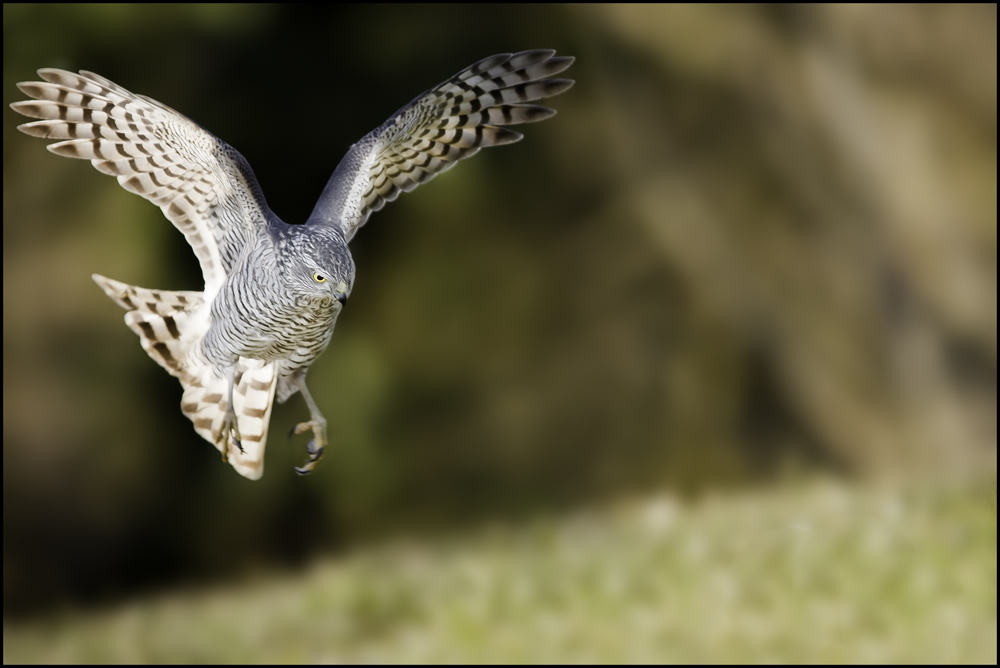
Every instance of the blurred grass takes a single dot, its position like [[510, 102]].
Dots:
[[822, 572]]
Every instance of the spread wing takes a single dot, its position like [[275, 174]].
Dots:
[[202, 185], [432, 133]]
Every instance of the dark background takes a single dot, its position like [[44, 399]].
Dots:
[[756, 242]]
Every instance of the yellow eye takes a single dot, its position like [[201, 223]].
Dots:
[[319, 279]]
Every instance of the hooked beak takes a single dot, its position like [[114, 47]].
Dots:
[[341, 294]]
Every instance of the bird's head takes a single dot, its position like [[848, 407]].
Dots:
[[319, 262]]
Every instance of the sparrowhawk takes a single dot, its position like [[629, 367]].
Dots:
[[273, 291]]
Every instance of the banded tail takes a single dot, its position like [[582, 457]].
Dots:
[[170, 326]]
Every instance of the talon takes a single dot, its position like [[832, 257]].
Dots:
[[230, 429], [223, 443], [316, 445], [315, 454]]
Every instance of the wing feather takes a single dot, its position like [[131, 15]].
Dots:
[[448, 123], [202, 185]]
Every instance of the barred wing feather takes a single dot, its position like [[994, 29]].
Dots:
[[448, 123], [202, 185]]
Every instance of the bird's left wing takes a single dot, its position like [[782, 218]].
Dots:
[[448, 123], [202, 185]]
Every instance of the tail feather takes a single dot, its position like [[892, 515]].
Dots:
[[205, 400], [171, 326], [160, 302]]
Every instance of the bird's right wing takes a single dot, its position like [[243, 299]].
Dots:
[[432, 133], [202, 185]]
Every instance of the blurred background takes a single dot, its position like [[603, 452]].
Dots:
[[757, 245]]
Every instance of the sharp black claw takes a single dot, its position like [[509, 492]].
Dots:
[[239, 445], [291, 432], [315, 454]]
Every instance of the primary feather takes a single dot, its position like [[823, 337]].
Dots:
[[448, 123]]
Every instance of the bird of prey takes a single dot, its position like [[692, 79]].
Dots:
[[273, 291]]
